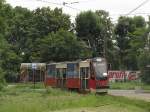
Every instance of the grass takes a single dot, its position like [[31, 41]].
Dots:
[[23, 98], [129, 85]]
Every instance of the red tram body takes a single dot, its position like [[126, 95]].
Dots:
[[88, 75]]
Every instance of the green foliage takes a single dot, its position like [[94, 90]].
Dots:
[[47, 20], [16, 98], [144, 61], [94, 27], [22, 29], [2, 49], [45, 35], [130, 35], [2, 80], [63, 45]]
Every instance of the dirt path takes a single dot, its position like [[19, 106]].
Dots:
[[107, 108], [131, 94]]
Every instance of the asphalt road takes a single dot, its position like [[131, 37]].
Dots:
[[136, 94]]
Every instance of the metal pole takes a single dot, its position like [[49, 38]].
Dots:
[[34, 78], [148, 42]]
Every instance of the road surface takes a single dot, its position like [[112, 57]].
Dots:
[[137, 94]]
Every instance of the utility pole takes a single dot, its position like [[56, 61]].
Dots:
[[148, 42], [105, 39], [104, 49], [65, 3]]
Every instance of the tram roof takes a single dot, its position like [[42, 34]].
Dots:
[[33, 65], [84, 63], [66, 62]]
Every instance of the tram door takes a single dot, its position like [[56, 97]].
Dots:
[[84, 75], [61, 75]]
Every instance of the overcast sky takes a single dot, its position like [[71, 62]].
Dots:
[[114, 7]]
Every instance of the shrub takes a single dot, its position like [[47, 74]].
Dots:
[[144, 60], [2, 80]]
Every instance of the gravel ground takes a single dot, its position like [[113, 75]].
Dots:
[[137, 94], [108, 108]]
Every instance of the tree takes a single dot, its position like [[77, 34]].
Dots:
[[130, 35], [144, 58], [2, 80], [62, 46], [18, 35], [144, 62], [95, 29], [121, 31], [44, 22], [2, 45], [107, 38], [23, 29], [9, 58]]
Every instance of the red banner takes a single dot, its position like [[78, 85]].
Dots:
[[121, 75]]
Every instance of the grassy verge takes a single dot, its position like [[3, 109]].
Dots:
[[22, 98], [129, 85]]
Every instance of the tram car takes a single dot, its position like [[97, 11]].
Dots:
[[88, 75], [32, 72]]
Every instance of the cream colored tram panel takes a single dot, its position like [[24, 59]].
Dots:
[[84, 64], [61, 65]]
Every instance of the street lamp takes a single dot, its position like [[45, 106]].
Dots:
[[22, 53]]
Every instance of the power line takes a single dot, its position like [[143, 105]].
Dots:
[[64, 3], [77, 1], [134, 14], [49, 2], [60, 4], [72, 8], [143, 3], [140, 13]]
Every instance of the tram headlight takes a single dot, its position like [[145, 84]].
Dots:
[[105, 74]]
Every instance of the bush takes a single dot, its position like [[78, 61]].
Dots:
[[2, 80], [146, 76], [144, 60]]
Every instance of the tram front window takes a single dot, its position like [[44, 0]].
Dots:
[[100, 69]]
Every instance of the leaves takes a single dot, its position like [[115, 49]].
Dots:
[[144, 61], [45, 35], [63, 45], [95, 28], [130, 35]]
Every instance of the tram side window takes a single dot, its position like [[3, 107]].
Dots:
[[72, 70], [51, 71], [61, 72], [84, 71]]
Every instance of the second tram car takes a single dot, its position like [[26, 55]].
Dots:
[[88, 75]]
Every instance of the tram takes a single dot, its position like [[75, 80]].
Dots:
[[89, 75]]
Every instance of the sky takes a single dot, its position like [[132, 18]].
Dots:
[[114, 7]]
